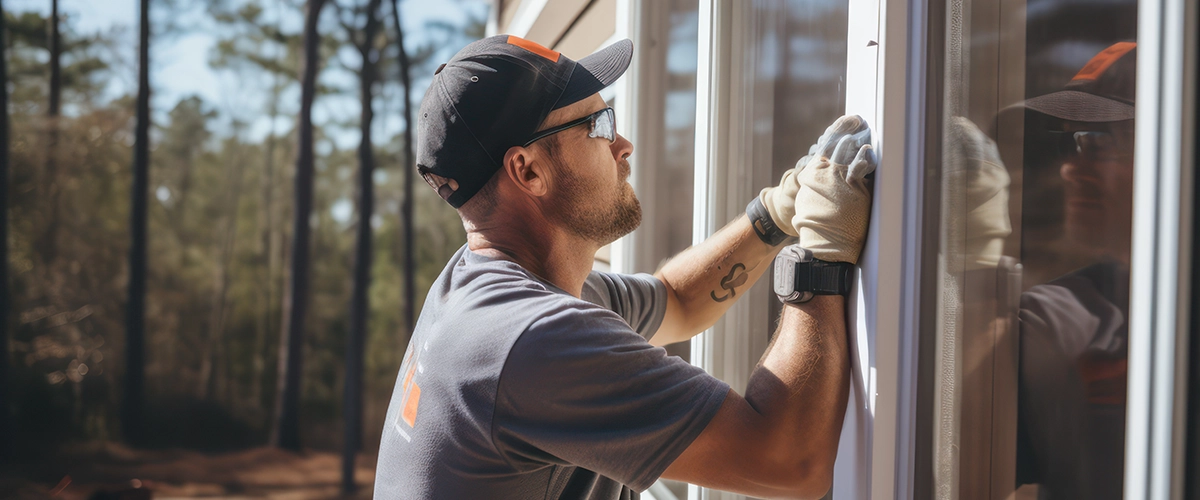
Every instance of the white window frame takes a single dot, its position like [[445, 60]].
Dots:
[[877, 452], [886, 57], [1160, 287]]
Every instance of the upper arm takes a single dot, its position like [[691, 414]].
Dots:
[[674, 327], [738, 452]]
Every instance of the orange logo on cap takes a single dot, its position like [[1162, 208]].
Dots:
[[1099, 64], [533, 47]]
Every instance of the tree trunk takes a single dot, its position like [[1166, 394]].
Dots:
[[410, 266], [356, 340], [285, 433], [48, 243], [7, 431], [55, 45], [135, 364]]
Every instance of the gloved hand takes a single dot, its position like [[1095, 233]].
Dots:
[[826, 199], [973, 162]]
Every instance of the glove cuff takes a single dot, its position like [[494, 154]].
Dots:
[[763, 224]]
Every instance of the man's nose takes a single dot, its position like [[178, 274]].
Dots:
[[1076, 170], [621, 147]]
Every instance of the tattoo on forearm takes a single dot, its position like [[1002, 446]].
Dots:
[[737, 277]]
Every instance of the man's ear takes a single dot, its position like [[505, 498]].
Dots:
[[527, 170]]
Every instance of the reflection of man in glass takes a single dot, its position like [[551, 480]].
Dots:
[[1074, 330]]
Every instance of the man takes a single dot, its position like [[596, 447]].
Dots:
[[530, 376], [1074, 329]]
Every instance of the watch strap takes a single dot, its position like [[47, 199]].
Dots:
[[825, 278], [764, 226]]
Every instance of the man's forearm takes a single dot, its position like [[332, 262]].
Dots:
[[802, 382], [705, 280]]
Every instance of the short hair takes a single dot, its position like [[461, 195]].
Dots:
[[551, 145], [483, 203], [480, 207]]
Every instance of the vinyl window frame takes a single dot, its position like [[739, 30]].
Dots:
[[886, 57]]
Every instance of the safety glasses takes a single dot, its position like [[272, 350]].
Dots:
[[603, 124], [1087, 144]]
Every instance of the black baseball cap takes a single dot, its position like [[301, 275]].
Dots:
[[493, 95], [1102, 91]]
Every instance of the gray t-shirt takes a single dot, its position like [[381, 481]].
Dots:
[[513, 388], [1072, 384]]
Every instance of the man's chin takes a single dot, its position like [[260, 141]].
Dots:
[[1085, 232], [628, 219]]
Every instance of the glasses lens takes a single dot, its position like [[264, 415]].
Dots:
[[604, 125], [1096, 144], [1063, 143]]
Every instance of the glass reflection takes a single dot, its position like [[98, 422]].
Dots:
[[1073, 328], [1028, 390]]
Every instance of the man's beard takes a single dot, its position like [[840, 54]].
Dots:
[[578, 212]]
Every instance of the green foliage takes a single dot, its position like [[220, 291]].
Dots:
[[69, 307], [219, 229], [84, 67]]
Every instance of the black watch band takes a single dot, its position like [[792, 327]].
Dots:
[[764, 226], [826, 278], [799, 276]]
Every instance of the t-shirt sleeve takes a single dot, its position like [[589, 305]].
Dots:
[[580, 388], [641, 299]]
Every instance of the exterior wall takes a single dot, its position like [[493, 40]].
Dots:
[[574, 27]]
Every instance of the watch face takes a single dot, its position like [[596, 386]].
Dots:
[[785, 276], [787, 265], [799, 277]]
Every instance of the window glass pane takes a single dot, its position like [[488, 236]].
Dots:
[[677, 152], [674, 158], [797, 86], [798, 77], [1032, 182]]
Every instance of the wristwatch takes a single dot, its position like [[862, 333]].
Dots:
[[799, 277]]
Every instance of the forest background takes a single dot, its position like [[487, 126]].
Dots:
[[221, 174]]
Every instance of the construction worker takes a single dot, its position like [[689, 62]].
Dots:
[[531, 376]]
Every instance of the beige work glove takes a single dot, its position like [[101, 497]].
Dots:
[[977, 206], [826, 199]]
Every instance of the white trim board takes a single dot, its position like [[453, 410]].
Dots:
[[1160, 288], [885, 56]]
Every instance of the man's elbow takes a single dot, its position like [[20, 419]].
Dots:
[[800, 477], [812, 480]]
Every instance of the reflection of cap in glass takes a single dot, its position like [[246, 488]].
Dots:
[[1103, 91], [493, 95]]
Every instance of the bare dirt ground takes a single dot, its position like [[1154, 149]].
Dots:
[[103, 471]]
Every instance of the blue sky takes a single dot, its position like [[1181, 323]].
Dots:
[[179, 62]]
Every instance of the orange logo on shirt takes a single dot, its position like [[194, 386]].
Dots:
[[410, 389], [411, 401]]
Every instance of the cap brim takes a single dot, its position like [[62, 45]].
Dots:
[[596, 71], [1079, 106]]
